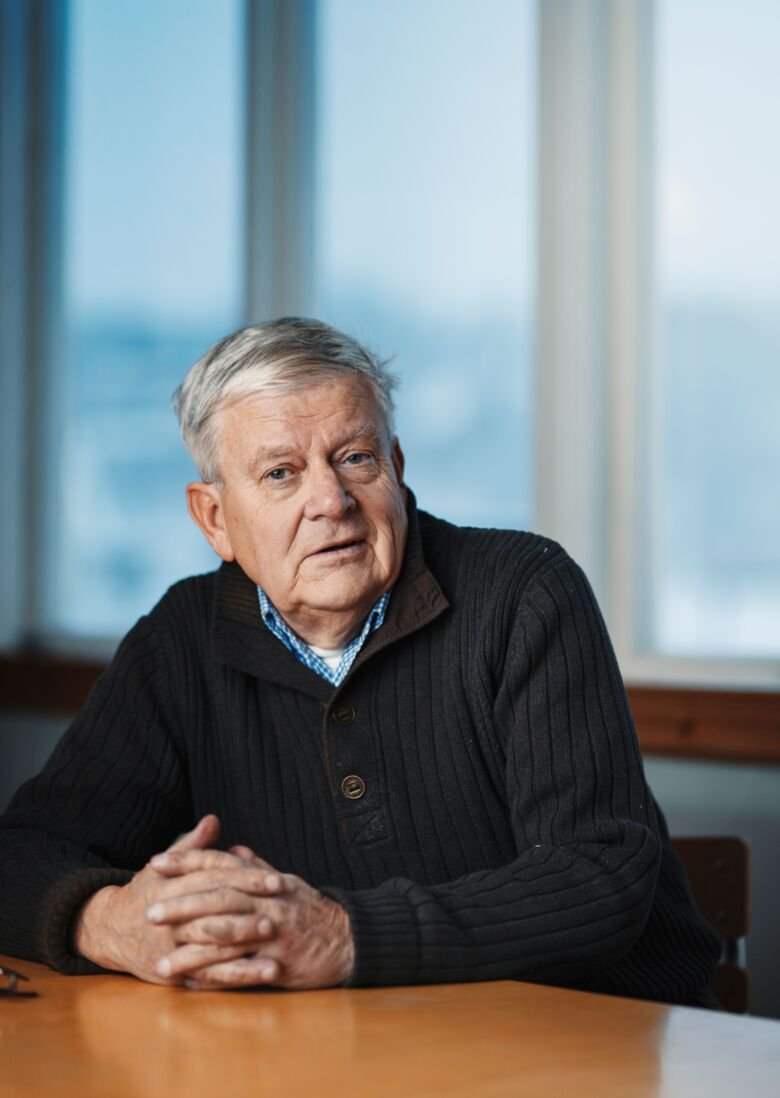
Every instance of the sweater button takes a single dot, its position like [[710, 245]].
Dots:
[[344, 713], [353, 787]]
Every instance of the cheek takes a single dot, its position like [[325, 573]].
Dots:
[[394, 527], [289, 554]]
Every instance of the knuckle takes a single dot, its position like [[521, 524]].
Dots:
[[219, 929], [196, 932], [248, 930], [218, 859]]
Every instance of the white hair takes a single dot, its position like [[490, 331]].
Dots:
[[270, 359]]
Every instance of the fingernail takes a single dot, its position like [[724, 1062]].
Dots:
[[164, 966], [155, 913], [160, 861], [264, 927], [273, 882], [267, 972]]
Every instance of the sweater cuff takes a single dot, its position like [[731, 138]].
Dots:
[[65, 897], [385, 935]]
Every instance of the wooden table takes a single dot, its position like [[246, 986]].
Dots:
[[113, 1037]]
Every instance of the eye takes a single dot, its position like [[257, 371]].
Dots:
[[277, 475], [359, 458]]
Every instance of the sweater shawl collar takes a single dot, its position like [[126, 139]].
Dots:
[[242, 641]]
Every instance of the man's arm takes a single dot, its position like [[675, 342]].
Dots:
[[112, 794], [590, 897], [76, 841]]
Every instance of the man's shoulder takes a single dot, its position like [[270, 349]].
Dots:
[[488, 547], [188, 601], [494, 575]]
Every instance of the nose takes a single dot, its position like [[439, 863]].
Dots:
[[326, 495]]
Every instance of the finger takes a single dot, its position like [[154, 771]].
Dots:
[[225, 929], [246, 972], [172, 863], [205, 833], [256, 882], [196, 905], [246, 854], [190, 958]]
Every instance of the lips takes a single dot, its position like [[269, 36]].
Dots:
[[337, 546]]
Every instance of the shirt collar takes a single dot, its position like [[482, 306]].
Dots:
[[301, 650]]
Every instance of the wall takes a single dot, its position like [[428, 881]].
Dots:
[[698, 799], [26, 741], [725, 799]]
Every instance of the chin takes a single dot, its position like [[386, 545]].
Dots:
[[344, 596]]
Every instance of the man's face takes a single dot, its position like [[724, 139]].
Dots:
[[312, 504]]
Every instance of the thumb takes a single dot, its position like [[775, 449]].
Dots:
[[204, 834]]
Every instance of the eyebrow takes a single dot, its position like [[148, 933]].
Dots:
[[265, 454]]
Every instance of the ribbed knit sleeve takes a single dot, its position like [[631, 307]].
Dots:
[[111, 795], [578, 894]]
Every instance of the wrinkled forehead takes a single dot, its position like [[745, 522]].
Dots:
[[272, 422]]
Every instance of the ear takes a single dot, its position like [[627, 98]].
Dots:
[[204, 502], [399, 461]]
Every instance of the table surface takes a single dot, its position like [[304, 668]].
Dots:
[[114, 1036]]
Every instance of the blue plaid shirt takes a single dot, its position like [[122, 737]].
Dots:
[[300, 649]]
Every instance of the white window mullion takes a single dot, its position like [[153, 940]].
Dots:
[[280, 158], [630, 379], [570, 435]]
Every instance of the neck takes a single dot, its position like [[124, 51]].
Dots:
[[328, 630]]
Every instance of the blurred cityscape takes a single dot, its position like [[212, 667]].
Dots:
[[465, 422]]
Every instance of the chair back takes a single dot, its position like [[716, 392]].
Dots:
[[718, 870]]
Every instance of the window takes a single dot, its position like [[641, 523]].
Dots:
[[657, 395], [718, 522], [558, 218], [425, 168], [152, 266]]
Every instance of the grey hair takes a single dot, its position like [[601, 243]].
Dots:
[[270, 359]]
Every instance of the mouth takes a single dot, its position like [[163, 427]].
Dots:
[[341, 548]]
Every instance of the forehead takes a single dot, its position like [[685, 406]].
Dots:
[[318, 412]]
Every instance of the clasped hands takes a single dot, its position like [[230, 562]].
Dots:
[[206, 918]]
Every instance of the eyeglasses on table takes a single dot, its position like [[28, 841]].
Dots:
[[9, 984]]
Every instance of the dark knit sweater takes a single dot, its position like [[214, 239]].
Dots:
[[506, 829]]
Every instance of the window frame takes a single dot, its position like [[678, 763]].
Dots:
[[597, 325], [595, 304], [32, 49]]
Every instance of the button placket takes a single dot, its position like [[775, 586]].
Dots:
[[359, 808], [350, 752]]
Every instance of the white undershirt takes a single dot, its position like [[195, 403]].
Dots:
[[331, 657]]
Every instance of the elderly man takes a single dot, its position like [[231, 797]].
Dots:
[[410, 740]]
